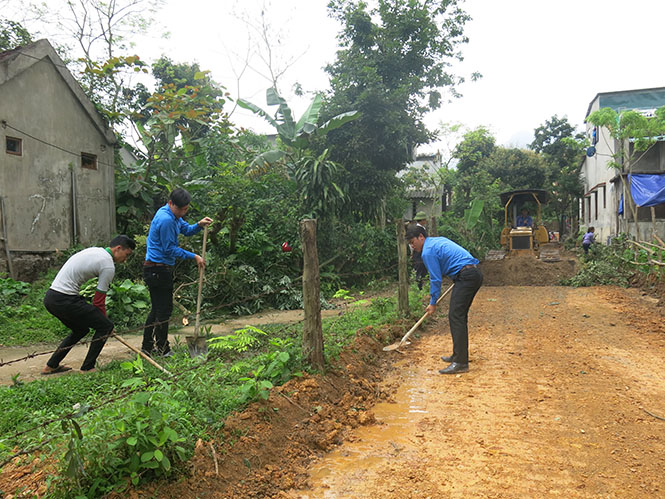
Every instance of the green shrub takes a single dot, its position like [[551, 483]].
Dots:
[[604, 265], [11, 291]]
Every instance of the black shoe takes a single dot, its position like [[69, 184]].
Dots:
[[455, 368], [449, 358], [147, 352]]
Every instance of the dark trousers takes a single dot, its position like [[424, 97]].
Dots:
[[467, 284], [79, 316], [419, 267], [159, 280]]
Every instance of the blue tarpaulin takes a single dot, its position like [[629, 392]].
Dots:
[[647, 190], [621, 205]]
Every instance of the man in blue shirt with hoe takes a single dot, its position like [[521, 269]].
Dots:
[[162, 250], [444, 257]]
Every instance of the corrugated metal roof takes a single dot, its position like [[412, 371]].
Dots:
[[639, 99]]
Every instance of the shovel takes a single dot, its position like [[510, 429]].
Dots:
[[196, 344], [403, 341]]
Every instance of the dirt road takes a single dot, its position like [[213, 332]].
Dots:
[[555, 404]]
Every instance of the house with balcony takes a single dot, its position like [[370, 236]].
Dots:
[[607, 189]]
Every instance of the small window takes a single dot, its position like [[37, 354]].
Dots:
[[88, 161], [14, 146]]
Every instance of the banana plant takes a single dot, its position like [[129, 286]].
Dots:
[[472, 214], [294, 134]]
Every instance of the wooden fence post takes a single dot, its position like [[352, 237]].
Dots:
[[402, 271], [312, 335]]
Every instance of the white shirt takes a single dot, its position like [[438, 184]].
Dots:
[[83, 266]]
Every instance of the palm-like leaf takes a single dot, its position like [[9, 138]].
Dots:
[[307, 122], [257, 110]]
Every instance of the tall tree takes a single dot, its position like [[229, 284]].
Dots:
[[475, 146], [516, 168], [562, 147], [392, 66]]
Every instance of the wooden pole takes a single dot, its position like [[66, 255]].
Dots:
[[136, 350], [198, 298], [312, 341], [402, 271]]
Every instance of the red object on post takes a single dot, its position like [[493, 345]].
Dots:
[[286, 247]]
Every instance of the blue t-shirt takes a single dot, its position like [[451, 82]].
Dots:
[[443, 257], [162, 244], [524, 221]]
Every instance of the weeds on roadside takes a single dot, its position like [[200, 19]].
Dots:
[[603, 265], [151, 432]]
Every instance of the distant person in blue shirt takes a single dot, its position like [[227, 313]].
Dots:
[[524, 220], [444, 257], [588, 239], [162, 250]]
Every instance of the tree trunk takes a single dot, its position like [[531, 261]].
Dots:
[[402, 271], [629, 202], [432, 230], [312, 337]]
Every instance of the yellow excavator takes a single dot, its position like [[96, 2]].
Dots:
[[520, 238]]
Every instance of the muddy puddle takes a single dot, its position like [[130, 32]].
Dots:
[[373, 447]]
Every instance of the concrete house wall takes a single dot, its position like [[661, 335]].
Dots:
[[603, 184], [51, 200]]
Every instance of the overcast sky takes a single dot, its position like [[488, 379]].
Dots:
[[537, 58]]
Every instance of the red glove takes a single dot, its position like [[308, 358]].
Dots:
[[99, 301]]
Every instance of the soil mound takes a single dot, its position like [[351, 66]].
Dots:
[[527, 271]]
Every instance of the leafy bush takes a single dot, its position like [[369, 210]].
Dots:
[[140, 438], [126, 302], [12, 291], [597, 272], [27, 321]]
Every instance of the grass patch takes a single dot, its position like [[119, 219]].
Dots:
[[23, 318]]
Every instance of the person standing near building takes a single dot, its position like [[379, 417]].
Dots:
[[588, 239], [162, 250], [444, 257], [63, 300]]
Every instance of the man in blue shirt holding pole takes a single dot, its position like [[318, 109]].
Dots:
[[162, 250], [444, 257]]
